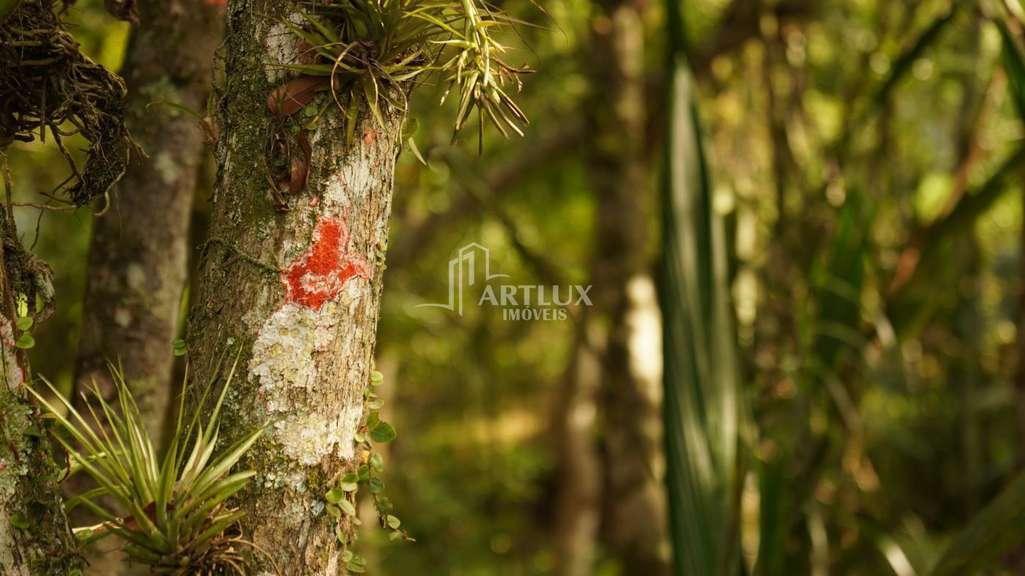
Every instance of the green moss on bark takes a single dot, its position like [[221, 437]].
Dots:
[[40, 538]]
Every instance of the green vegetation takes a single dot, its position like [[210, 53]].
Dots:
[[834, 195], [178, 519], [375, 49]]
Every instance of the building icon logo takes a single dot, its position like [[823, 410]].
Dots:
[[470, 270], [462, 271]]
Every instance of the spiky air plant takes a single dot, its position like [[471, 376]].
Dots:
[[177, 518], [374, 49]]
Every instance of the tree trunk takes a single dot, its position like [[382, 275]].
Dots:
[[635, 520], [137, 260], [634, 516], [138, 255], [35, 539], [297, 290], [578, 492]]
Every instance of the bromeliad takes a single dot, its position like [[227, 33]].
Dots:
[[177, 517]]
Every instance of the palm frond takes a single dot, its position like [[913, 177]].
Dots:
[[702, 372]]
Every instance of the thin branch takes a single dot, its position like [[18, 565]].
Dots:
[[543, 268], [902, 65], [925, 242]]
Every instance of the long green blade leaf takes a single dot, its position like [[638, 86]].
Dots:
[[702, 404]]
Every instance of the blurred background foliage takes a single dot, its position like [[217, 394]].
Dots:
[[864, 165]]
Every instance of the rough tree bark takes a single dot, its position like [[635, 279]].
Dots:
[[35, 539], [137, 260], [634, 515], [297, 290]]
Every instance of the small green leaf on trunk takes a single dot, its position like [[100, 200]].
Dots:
[[25, 341], [376, 485], [383, 433], [19, 521]]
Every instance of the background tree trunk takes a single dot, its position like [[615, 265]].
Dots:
[[627, 496], [578, 474], [633, 515], [139, 250], [35, 539], [298, 290], [138, 256]]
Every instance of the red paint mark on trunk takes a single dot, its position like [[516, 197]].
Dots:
[[320, 274]]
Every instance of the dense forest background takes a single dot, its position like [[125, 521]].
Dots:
[[865, 160]]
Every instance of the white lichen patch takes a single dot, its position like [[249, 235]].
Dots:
[[13, 376], [351, 182], [285, 365], [122, 317], [166, 168], [332, 564], [283, 353], [8, 563], [10, 469], [335, 189], [8, 546], [135, 277], [309, 439], [282, 48]]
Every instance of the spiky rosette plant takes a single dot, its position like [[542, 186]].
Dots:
[[177, 518], [373, 49]]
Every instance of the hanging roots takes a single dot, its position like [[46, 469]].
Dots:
[[47, 84]]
